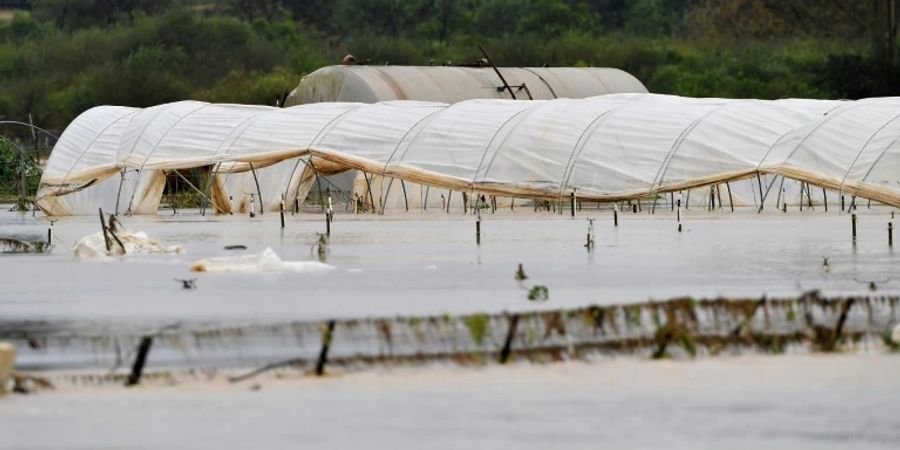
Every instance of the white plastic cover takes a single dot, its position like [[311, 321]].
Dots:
[[605, 148]]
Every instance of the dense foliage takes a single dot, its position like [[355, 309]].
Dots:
[[65, 56]]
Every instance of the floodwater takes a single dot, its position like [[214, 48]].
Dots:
[[748, 402], [426, 264], [420, 264]]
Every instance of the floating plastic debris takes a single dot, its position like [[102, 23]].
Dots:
[[266, 261], [93, 246]]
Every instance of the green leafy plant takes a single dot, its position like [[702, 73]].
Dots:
[[539, 293]]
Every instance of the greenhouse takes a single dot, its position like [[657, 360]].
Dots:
[[451, 84], [415, 154]]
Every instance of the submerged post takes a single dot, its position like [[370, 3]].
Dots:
[[730, 198], [890, 234], [281, 208], [329, 213], [478, 230], [615, 218], [326, 344], [573, 200], [138, 368], [853, 226], [105, 234], [590, 235], [510, 334]]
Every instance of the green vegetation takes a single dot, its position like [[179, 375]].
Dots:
[[12, 164], [539, 293], [478, 325], [68, 55]]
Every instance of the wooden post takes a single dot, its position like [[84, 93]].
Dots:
[[615, 218], [7, 362], [853, 226], [281, 208], [105, 232], [590, 235], [109, 229], [573, 201], [478, 230], [891, 234], [326, 344], [138, 368], [730, 198], [49, 236], [825, 199], [842, 203], [328, 224], [510, 335]]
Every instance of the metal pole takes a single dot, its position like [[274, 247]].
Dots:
[[258, 191], [730, 198], [497, 71]]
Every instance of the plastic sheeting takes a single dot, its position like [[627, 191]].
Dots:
[[606, 148], [371, 84]]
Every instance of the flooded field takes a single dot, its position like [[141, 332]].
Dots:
[[751, 402], [430, 264]]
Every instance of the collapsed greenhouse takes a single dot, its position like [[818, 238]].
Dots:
[[416, 155]]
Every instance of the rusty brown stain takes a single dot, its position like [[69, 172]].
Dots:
[[398, 91]]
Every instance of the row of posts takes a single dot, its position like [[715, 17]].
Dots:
[[329, 217]]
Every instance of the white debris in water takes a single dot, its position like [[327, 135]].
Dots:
[[266, 261], [93, 246]]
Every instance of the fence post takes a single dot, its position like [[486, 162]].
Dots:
[[138, 368], [510, 335], [326, 344]]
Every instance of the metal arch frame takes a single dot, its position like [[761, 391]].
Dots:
[[878, 159], [240, 132], [664, 166], [550, 86], [29, 125], [417, 128], [825, 119], [863, 148], [526, 111], [91, 143], [333, 122], [140, 170], [582, 141]]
